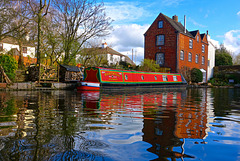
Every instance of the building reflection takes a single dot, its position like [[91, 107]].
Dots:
[[168, 117], [52, 125]]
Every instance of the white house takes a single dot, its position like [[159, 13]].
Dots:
[[113, 57], [8, 44], [211, 57]]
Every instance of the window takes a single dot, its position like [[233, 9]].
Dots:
[[160, 59], [24, 49], [196, 59], [1, 47], [190, 57], [203, 60], [160, 24], [209, 63], [111, 57], [197, 38], [203, 48], [175, 78], [160, 40], [181, 55], [164, 78], [142, 77], [190, 43], [126, 77], [155, 77]]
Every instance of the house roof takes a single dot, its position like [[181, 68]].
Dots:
[[202, 35], [194, 33], [109, 50], [177, 25], [71, 68], [10, 40]]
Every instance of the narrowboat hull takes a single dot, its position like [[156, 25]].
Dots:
[[104, 79]]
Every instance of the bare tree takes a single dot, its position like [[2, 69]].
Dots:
[[9, 11], [81, 20]]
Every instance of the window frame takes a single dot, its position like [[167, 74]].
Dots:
[[203, 48], [160, 42], [203, 60], [160, 24], [24, 49], [1, 46], [190, 56], [156, 59], [181, 55], [196, 59], [190, 43]]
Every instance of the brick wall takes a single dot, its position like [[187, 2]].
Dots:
[[197, 49], [169, 47]]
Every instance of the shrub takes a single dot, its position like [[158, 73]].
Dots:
[[9, 65], [149, 65], [196, 75]]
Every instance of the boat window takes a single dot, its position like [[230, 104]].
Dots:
[[165, 78], [142, 77], [175, 78], [155, 77], [126, 77]]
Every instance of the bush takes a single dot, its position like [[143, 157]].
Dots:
[[196, 75], [9, 65], [149, 65]]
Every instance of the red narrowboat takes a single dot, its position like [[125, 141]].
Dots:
[[97, 78]]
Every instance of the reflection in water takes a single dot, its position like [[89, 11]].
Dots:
[[157, 125]]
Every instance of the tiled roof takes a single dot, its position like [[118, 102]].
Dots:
[[194, 33], [178, 26], [10, 40], [202, 35], [109, 50]]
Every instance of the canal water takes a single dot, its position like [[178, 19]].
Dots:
[[193, 124]]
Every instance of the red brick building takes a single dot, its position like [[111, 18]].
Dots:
[[169, 43]]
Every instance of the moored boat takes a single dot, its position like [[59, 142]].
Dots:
[[97, 78]]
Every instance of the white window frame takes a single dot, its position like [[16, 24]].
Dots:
[[190, 57], [190, 43], [196, 59], [203, 48], [203, 60], [181, 55], [164, 78]]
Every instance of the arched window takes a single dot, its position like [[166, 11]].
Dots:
[[196, 59], [189, 57], [181, 55]]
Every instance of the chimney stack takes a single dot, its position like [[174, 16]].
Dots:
[[185, 28], [175, 18], [104, 45]]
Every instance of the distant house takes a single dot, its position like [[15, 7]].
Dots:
[[113, 57], [211, 57], [28, 50], [169, 43]]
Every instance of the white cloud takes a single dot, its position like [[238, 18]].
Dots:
[[124, 38], [238, 13], [232, 41], [122, 12]]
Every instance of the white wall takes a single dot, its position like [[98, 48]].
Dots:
[[211, 58], [30, 50]]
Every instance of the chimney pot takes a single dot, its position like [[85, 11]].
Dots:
[[175, 18]]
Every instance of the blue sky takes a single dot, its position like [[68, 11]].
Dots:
[[132, 18]]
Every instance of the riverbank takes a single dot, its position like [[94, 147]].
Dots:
[[38, 86]]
